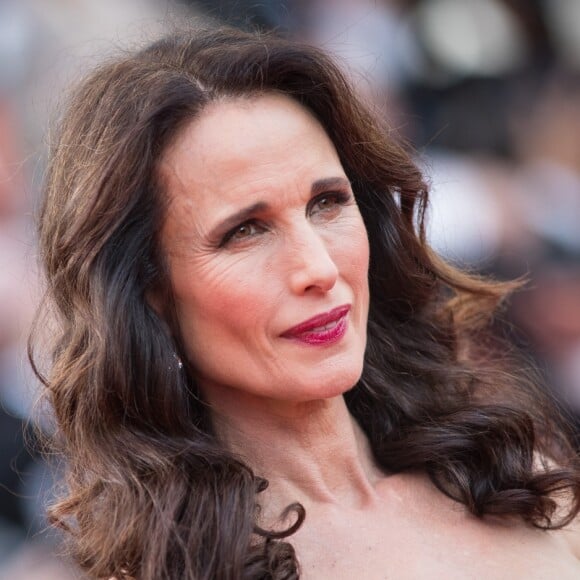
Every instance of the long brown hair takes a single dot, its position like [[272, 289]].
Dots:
[[151, 493]]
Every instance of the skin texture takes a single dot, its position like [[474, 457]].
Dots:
[[277, 402], [299, 256]]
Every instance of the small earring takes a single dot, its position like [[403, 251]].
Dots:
[[179, 361]]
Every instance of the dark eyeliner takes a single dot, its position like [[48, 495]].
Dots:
[[340, 197], [230, 233]]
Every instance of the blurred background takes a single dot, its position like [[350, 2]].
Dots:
[[487, 92]]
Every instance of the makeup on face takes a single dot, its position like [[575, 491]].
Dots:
[[323, 329], [267, 251]]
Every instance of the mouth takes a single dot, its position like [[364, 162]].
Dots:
[[323, 328]]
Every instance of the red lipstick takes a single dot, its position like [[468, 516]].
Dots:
[[322, 329]]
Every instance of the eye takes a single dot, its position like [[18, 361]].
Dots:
[[241, 233], [329, 202]]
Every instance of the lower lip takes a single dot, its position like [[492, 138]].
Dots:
[[324, 337]]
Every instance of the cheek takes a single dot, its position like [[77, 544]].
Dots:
[[361, 253], [226, 326], [232, 300], [352, 252]]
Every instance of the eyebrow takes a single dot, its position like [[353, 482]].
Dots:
[[329, 183], [237, 218], [318, 186]]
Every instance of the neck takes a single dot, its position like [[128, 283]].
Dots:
[[314, 452]]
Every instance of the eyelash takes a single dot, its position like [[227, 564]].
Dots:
[[228, 237], [340, 198]]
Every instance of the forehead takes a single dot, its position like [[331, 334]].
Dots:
[[242, 147]]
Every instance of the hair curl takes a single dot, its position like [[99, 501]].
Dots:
[[150, 492]]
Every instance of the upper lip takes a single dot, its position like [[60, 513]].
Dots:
[[318, 320]]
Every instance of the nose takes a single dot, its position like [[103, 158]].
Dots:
[[312, 268]]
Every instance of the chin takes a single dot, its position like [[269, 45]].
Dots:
[[341, 381]]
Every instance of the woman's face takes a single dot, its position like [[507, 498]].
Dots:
[[267, 253]]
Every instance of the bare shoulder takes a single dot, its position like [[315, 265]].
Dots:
[[486, 544], [414, 531]]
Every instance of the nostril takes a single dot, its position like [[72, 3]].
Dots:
[[315, 275]]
